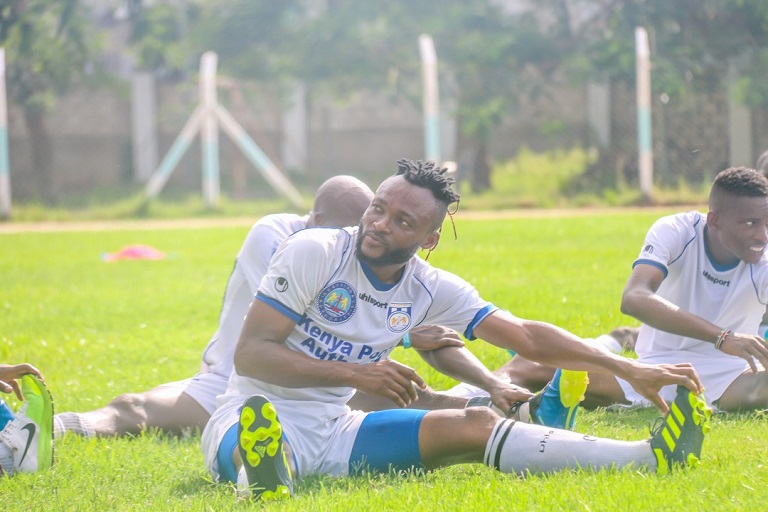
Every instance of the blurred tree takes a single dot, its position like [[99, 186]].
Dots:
[[47, 48], [488, 54], [692, 41], [492, 53], [693, 44], [158, 36]]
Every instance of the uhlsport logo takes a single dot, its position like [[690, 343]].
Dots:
[[337, 302], [281, 284], [399, 316]]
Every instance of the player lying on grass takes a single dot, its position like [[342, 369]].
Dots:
[[308, 343], [26, 437], [700, 289], [188, 404]]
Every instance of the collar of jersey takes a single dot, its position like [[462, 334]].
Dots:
[[378, 285]]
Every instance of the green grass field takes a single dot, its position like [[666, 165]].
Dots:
[[98, 329]]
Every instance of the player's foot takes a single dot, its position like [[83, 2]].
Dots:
[[30, 434], [260, 442], [677, 440], [556, 405]]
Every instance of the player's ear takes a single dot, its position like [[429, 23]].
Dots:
[[431, 241], [713, 220], [315, 219]]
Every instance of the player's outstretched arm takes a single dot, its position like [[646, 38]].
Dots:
[[555, 347], [261, 354]]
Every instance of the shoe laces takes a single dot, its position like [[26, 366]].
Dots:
[[513, 409], [656, 426]]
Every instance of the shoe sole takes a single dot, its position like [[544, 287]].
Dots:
[[573, 386], [39, 409], [261, 448]]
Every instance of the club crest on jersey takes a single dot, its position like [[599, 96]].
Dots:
[[337, 302], [399, 316]]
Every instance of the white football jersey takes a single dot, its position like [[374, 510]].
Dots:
[[731, 297], [344, 313], [250, 266]]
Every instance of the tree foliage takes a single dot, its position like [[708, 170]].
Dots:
[[48, 47]]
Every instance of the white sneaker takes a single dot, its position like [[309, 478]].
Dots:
[[30, 434]]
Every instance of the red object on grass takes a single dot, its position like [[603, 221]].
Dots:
[[134, 252]]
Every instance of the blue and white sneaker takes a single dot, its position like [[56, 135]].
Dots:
[[556, 405]]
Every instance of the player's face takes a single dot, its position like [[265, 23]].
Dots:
[[742, 229], [398, 222]]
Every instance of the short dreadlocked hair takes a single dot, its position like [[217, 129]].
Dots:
[[737, 182], [427, 174]]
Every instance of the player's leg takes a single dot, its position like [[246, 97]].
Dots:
[[748, 392], [525, 373], [174, 408], [429, 399], [475, 435]]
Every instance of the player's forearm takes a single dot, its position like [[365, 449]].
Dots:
[[661, 314], [558, 348], [546, 344], [276, 364], [461, 364]]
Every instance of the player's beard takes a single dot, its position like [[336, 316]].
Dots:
[[390, 257]]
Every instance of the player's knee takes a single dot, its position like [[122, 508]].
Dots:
[[130, 409], [480, 417]]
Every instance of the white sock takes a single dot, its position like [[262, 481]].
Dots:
[[523, 448], [6, 460], [71, 422]]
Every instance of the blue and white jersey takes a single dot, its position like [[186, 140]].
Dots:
[[250, 266], [731, 297], [344, 313]]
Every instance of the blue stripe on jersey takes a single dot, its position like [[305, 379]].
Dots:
[[375, 281], [479, 317], [688, 243], [282, 308], [388, 440], [653, 264]]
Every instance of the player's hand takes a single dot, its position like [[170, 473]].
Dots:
[[748, 347], [431, 337], [10, 373], [504, 395], [389, 379], [648, 379]]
